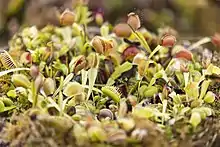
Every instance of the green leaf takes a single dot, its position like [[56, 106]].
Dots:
[[60, 102], [2, 106], [199, 43], [118, 71], [176, 98], [66, 33], [145, 112], [68, 79], [142, 89], [104, 30], [8, 108], [142, 40], [195, 119], [212, 70], [14, 6], [204, 87], [59, 88], [184, 110], [53, 103], [59, 66], [92, 75], [63, 51], [2, 73], [207, 110], [159, 74], [83, 14], [12, 94], [192, 90], [72, 88], [63, 83], [209, 97], [94, 89], [179, 76], [150, 91], [76, 29], [112, 93], [155, 51], [186, 78], [202, 111], [164, 103], [84, 75]]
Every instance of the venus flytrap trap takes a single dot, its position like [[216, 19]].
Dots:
[[195, 119], [7, 61], [104, 30], [209, 97], [112, 92], [122, 30], [6, 104]]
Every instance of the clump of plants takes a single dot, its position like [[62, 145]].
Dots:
[[82, 85]]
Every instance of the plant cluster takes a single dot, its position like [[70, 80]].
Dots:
[[79, 85]]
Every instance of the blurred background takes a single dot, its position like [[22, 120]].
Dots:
[[189, 17]]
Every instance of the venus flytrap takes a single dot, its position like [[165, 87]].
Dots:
[[77, 63]]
